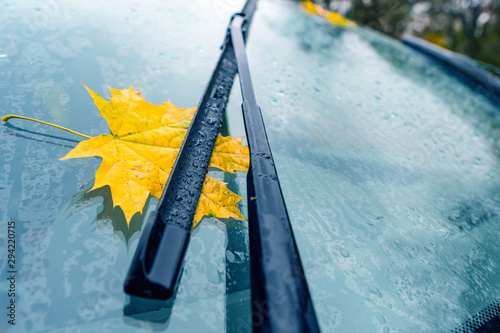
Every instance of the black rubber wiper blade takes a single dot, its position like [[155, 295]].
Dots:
[[281, 301], [157, 262]]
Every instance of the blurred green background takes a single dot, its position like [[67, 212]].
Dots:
[[470, 27]]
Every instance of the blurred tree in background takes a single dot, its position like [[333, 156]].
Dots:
[[471, 27]]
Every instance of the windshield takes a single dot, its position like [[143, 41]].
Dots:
[[390, 171], [388, 165]]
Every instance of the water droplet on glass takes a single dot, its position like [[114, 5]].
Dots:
[[344, 253], [178, 198]]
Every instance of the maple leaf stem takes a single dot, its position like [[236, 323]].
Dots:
[[10, 116]]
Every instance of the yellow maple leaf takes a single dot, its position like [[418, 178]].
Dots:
[[229, 154], [436, 38], [140, 152], [332, 17], [311, 8], [216, 200]]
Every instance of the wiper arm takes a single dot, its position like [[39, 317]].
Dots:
[[280, 297]]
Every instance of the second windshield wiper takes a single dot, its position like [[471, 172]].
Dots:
[[281, 301]]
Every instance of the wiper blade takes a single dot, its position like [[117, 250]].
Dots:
[[280, 297], [157, 262]]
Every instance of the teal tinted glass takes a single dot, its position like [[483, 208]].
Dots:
[[390, 170], [73, 250], [389, 167]]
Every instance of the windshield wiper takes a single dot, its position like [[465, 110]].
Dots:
[[281, 300], [280, 297], [157, 262]]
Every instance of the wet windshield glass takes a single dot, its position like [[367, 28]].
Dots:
[[388, 164], [390, 171], [73, 250]]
